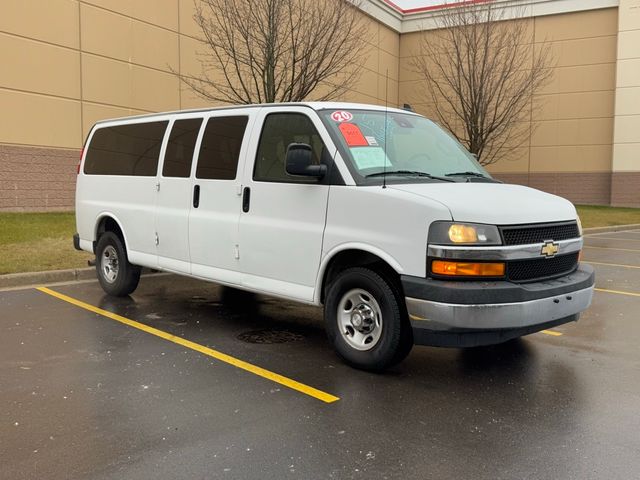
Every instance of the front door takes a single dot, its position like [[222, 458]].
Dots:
[[283, 217]]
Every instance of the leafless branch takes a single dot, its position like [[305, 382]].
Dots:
[[480, 74], [277, 50]]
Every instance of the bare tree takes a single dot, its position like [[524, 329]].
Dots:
[[277, 50], [481, 72]]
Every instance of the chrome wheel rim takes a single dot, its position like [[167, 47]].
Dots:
[[109, 264], [359, 319]]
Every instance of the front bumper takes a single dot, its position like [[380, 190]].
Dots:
[[455, 313]]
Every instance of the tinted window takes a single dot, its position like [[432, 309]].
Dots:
[[125, 149], [182, 142], [280, 130], [220, 148]]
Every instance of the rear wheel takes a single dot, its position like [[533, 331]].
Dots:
[[116, 275], [366, 320]]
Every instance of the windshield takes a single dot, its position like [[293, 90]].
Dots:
[[409, 147]]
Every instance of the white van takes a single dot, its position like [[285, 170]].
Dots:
[[377, 214]]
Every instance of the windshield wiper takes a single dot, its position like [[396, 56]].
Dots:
[[408, 172], [465, 174]]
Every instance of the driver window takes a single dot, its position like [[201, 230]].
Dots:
[[280, 130]]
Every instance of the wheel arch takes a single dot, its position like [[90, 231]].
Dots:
[[108, 222], [354, 255]]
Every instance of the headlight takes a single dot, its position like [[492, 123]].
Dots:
[[455, 233]]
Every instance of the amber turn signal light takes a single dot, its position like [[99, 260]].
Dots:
[[467, 269]]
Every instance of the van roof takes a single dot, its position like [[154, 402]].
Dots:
[[313, 105]]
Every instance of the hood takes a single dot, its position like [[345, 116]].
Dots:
[[494, 203]]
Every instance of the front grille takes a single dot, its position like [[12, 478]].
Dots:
[[527, 234], [540, 268]]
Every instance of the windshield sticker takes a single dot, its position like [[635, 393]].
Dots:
[[370, 158], [341, 116], [353, 135], [372, 141]]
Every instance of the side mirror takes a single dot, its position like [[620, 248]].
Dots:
[[299, 161]]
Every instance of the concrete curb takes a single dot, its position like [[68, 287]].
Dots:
[[76, 274], [13, 280], [52, 276], [613, 228]]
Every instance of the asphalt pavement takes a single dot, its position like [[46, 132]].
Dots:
[[185, 379]]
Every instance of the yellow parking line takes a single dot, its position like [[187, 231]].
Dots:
[[617, 239], [611, 233], [612, 264], [223, 357], [631, 294], [551, 332], [609, 248]]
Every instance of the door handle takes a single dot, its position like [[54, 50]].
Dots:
[[196, 196], [246, 199]]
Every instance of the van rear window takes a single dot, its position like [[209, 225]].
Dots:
[[131, 149]]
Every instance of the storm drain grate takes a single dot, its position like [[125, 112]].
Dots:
[[269, 336]]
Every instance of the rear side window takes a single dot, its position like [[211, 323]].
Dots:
[[220, 148], [131, 149], [278, 132], [179, 152]]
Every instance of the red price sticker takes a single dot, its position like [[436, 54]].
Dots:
[[353, 135], [341, 116]]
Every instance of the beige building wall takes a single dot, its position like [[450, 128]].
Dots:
[[569, 152], [68, 63], [625, 186]]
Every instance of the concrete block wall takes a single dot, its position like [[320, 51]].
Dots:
[[37, 179]]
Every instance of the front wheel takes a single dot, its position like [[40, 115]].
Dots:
[[116, 275], [366, 321]]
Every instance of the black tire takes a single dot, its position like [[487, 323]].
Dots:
[[394, 340], [119, 279]]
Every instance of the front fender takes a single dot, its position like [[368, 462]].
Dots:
[[364, 247]]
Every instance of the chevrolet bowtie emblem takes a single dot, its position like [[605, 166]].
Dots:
[[549, 249]]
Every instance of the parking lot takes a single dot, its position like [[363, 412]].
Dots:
[[186, 380]]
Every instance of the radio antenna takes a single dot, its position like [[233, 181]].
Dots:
[[386, 108]]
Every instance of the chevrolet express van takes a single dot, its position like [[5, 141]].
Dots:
[[377, 214]]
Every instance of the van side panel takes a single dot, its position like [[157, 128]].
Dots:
[[130, 199]]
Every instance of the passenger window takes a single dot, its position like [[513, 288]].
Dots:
[[131, 149], [280, 130], [220, 148], [182, 143]]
